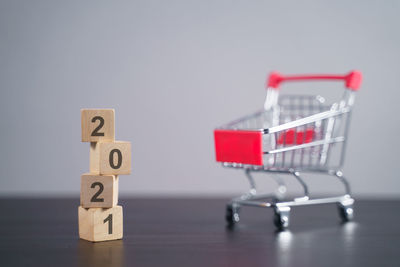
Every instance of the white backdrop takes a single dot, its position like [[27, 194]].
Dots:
[[173, 71]]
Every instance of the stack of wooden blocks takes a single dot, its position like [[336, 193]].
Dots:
[[100, 218]]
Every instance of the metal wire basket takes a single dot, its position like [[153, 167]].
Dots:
[[291, 135]]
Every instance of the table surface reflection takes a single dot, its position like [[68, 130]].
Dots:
[[192, 232]]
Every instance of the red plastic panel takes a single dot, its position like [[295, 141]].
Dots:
[[238, 146], [300, 137], [288, 137], [309, 135]]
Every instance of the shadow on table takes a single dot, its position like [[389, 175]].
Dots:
[[109, 253]]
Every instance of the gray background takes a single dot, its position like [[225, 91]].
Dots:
[[173, 71]]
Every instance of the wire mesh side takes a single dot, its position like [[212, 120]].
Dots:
[[309, 146]]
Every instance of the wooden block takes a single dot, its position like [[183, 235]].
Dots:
[[110, 158], [99, 224], [97, 125], [99, 191]]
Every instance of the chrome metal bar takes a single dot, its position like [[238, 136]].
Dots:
[[307, 120], [300, 202], [316, 143], [342, 179], [328, 135], [255, 203], [346, 133], [302, 183], [253, 190]]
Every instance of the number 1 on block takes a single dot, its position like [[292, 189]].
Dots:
[[96, 224], [109, 220]]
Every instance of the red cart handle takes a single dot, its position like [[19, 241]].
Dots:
[[352, 79]]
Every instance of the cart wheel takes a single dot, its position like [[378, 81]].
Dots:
[[232, 214], [281, 217], [346, 212]]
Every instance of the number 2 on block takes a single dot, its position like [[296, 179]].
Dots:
[[109, 220], [97, 129], [95, 197]]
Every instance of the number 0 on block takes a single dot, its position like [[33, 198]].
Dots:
[[110, 158]]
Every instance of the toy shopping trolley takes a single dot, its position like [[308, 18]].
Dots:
[[292, 135]]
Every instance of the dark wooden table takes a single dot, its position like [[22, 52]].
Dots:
[[192, 232]]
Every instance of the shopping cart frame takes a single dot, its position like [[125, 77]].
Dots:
[[233, 159]]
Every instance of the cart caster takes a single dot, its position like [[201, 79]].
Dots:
[[281, 217], [232, 214], [346, 212]]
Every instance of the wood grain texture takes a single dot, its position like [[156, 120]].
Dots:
[[92, 119], [192, 232], [101, 152], [94, 223], [99, 191]]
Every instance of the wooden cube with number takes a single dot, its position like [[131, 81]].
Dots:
[[99, 191], [110, 157], [100, 224], [97, 125]]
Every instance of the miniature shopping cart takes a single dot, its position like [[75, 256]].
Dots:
[[291, 135]]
